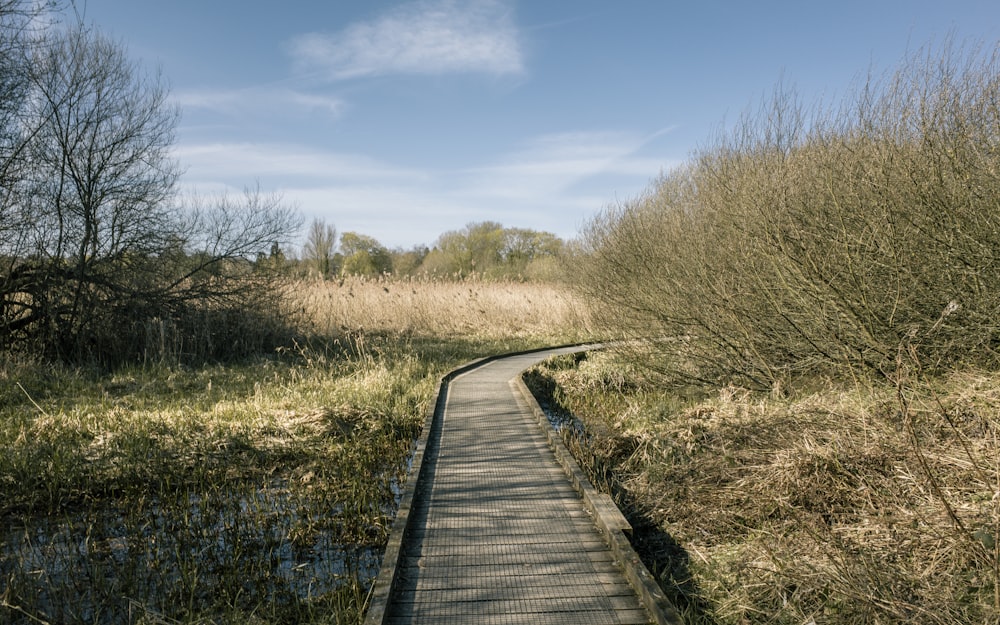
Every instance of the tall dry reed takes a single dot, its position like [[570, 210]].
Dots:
[[442, 308]]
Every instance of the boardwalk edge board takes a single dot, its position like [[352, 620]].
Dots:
[[609, 519], [381, 590]]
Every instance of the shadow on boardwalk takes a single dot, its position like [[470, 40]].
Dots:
[[666, 559]]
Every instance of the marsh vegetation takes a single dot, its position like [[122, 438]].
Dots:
[[196, 426], [800, 408], [822, 506], [254, 491]]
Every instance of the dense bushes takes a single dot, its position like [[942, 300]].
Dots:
[[806, 240]]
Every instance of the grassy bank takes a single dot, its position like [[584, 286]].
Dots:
[[259, 491], [859, 503]]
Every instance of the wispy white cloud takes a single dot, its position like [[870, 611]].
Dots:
[[552, 182], [330, 104], [425, 37], [231, 162], [552, 164], [234, 101]]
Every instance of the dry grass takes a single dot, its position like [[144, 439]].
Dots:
[[443, 309], [817, 509]]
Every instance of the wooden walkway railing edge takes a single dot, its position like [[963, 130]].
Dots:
[[610, 520], [381, 591]]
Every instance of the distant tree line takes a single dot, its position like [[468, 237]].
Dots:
[[485, 250], [100, 260]]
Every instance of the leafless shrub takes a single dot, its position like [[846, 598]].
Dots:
[[96, 246], [815, 240], [856, 244]]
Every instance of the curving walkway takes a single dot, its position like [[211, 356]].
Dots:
[[493, 530]]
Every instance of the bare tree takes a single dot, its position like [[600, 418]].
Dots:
[[104, 244], [321, 242], [99, 176], [21, 22]]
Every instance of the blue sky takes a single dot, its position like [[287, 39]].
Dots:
[[403, 120]]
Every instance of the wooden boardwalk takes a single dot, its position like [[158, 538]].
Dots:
[[493, 531]]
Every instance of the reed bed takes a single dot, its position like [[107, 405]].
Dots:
[[833, 506], [443, 309]]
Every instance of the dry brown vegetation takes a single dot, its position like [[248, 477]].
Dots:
[[469, 309], [833, 270], [830, 507], [820, 241]]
